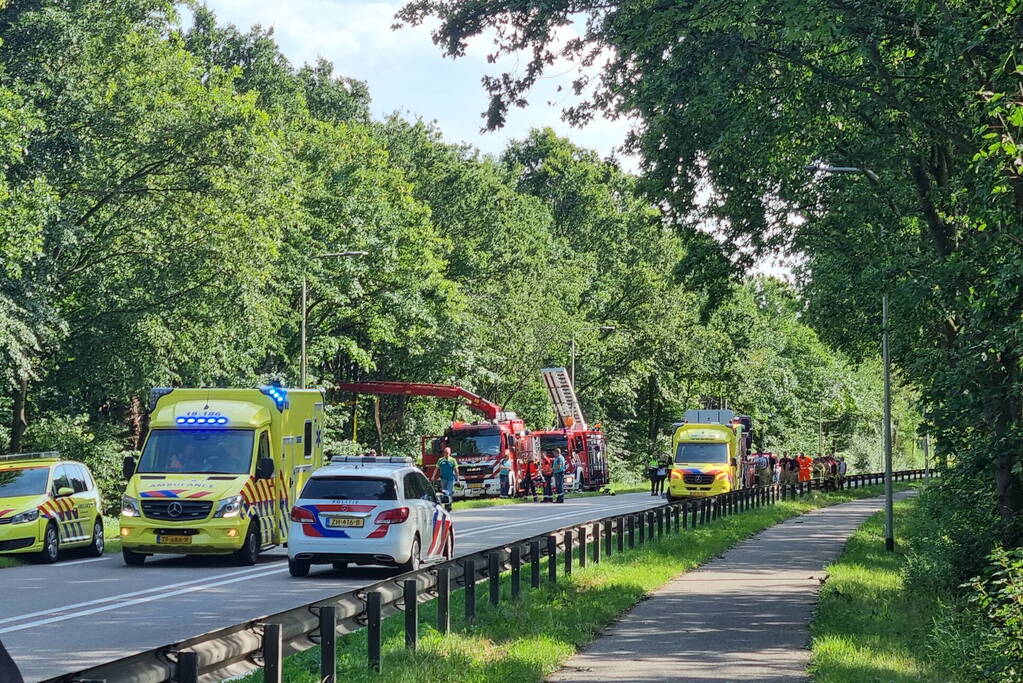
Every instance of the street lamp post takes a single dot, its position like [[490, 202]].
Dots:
[[602, 328], [889, 515], [304, 308]]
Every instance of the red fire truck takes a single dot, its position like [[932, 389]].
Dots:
[[585, 448], [478, 446]]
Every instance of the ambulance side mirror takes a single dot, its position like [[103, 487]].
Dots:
[[65, 491], [128, 467], [265, 468]]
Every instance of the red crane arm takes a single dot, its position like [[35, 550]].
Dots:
[[488, 408]]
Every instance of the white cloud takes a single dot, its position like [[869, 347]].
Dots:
[[406, 72]]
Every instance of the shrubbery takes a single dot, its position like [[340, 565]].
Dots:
[[979, 633]]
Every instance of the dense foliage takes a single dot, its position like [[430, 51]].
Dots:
[[166, 189], [921, 103]]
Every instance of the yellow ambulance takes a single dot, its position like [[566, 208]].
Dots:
[[48, 505], [708, 454], [219, 471]]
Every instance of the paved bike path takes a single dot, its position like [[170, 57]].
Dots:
[[744, 616]]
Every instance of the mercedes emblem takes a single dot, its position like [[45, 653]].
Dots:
[[175, 509]]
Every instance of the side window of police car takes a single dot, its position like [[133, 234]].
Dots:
[[428, 493]]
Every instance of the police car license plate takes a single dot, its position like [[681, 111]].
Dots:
[[345, 521], [476, 485], [167, 540]]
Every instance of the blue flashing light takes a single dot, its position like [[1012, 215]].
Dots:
[[190, 420], [181, 420], [279, 396]]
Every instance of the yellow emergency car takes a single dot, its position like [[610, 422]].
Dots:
[[219, 471], [48, 505]]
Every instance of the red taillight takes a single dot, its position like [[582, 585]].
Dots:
[[302, 516], [395, 516]]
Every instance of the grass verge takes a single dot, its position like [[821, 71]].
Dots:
[[527, 640], [867, 626]]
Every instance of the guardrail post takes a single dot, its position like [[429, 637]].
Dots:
[[534, 567], [411, 615], [552, 559], [328, 643], [272, 656], [715, 508], [704, 511], [660, 521], [494, 577], [632, 531], [675, 517], [469, 583], [444, 599], [582, 546], [607, 537], [650, 518], [568, 554], [685, 515], [516, 572], [187, 668], [596, 543], [641, 523], [620, 524], [374, 603]]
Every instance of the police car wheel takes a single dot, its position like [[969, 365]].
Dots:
[[98, 544], [51, 545], [413, 558], [249, 552], [298, 568], [132, 558]]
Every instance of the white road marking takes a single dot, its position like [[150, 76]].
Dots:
[[72, 564], [122, 596], [205, 583], [508, 525], [137, 601]]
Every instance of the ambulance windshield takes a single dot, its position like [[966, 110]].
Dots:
[[695, 453], [30, 481], [198, 451]]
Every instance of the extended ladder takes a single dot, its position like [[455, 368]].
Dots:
[[566, 405]]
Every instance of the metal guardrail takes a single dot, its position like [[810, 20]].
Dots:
[[245, 647]]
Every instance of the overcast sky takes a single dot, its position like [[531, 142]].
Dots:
[[406, 72]]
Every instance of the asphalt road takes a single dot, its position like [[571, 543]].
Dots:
[[75, 614]]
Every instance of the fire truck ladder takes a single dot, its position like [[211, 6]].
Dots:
[[566, 405]]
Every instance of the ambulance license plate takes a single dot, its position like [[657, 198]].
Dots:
[[697, 493], [476, 485], [344, 521], [169, 540]]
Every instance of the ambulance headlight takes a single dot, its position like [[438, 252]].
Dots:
[[129, 507], [229, 507], [30, 516]]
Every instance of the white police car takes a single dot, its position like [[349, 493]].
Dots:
[[380, 511]]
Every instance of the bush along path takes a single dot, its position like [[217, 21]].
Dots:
[[526, 638]]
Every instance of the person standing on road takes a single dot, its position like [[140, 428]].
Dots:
[[505, 473], [651, 472], [447, 469], [529, 476], [805, 467], [558, 467], [760, 466], [662, 474], [842, 469], [548, 478]]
